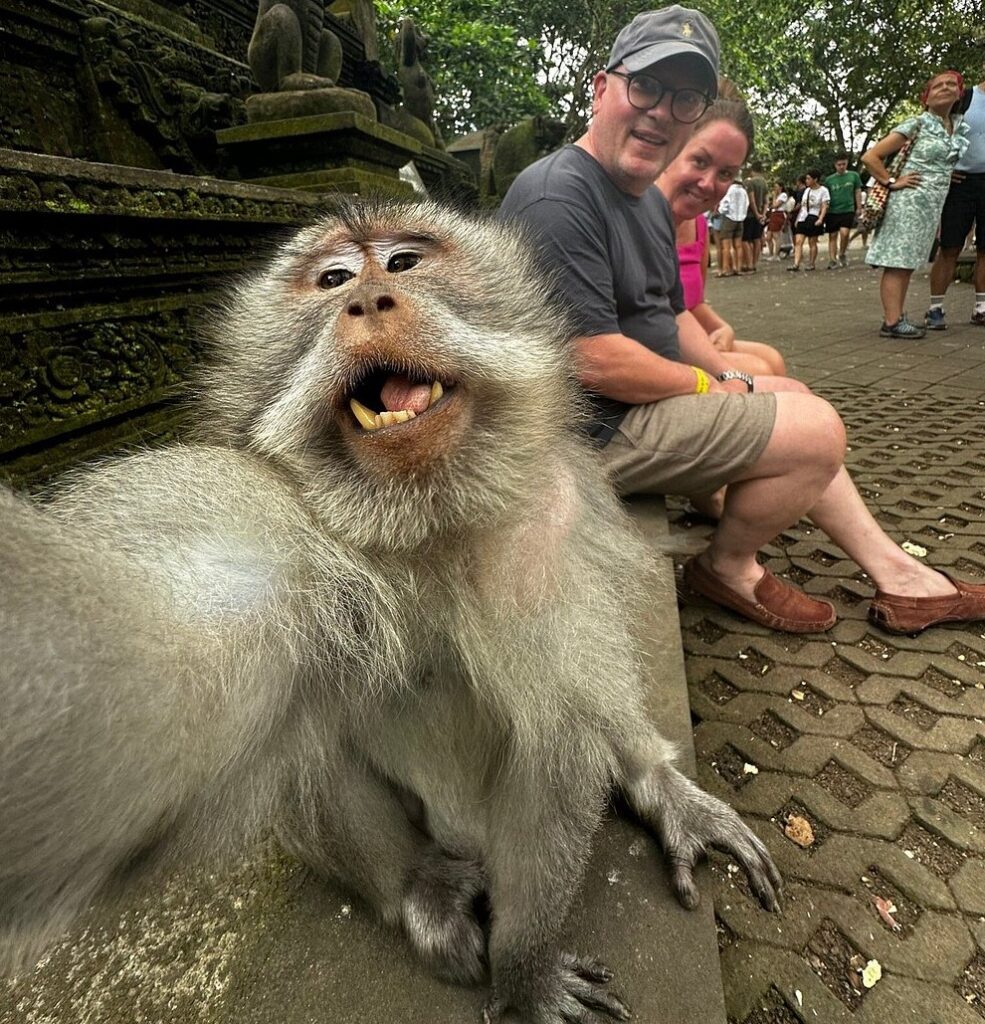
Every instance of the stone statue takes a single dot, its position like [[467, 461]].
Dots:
[[296, 61], [414, 80], [291, 49]]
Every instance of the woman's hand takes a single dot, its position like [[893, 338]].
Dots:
[[906, 181]]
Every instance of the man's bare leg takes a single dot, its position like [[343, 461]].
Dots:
[[782, 481], [846, 519], [804, 452], [942, 272], [843, 235]]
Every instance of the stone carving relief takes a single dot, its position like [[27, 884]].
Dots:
[[175, 119], [360, 16], [85, 371]]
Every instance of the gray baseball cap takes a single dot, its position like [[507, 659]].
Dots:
[[656, 35]]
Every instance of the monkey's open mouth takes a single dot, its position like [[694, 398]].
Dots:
[[384, 397]]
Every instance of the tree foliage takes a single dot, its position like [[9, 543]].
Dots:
[[484, 70], [837, 69]]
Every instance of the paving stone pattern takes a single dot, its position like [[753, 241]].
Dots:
[[878, 742]]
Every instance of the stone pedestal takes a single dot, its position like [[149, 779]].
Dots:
[[343, 152]]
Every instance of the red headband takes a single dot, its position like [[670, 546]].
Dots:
[[933, 78]]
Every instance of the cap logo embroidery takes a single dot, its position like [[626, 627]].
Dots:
[[687, 30]]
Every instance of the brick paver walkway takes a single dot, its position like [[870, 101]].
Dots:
[[877, 741]]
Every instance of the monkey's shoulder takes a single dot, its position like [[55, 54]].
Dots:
[[218, 529]]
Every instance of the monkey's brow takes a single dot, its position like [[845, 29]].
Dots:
[[315, 256]]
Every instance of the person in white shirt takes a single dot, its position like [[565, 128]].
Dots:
[[810, 219], [733, 209]]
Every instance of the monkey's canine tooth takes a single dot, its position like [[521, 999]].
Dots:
[[436, 392], [366, 417]]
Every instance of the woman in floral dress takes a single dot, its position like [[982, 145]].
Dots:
[[905, 237]]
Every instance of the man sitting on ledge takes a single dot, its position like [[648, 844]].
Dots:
[[670, 416]]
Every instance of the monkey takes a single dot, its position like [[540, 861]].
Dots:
[[382, 605]]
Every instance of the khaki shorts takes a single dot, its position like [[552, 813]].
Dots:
[[730, 228], [689, 444]]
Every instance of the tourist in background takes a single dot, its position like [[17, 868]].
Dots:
[[753, 226], [963, 214], [905, 236], [733, 209], [810, 219], [776, 222], [845, 189]]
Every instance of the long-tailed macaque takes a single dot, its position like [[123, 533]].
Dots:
[[384, 607]]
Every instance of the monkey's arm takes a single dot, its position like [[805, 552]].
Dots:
[[137, 682], [544, 809]]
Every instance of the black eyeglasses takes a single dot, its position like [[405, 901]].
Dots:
[[645, 92]]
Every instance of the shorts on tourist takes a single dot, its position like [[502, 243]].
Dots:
[[730, 228], [689, 444], [752, 229], [834, 222], [809, 227], [964, 206]]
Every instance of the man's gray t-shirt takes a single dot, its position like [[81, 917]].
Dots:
[[613, 257]]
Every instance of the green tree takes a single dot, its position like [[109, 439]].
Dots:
[[845, 68], [485, 71]]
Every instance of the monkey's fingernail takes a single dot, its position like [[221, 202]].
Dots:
[[366, 417], [436, 392]]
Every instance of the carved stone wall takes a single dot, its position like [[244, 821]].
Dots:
[[106, 275], [85, 79], [115, 233]]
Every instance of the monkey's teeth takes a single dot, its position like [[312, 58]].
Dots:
[[373, 421], [370, 420], [366, 417]]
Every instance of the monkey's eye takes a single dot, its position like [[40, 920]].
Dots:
[[334, 278], [401, 261]]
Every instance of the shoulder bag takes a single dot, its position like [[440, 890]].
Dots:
[[870, 216]]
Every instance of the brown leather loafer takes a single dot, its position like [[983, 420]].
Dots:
[[777, 605], [897, 614]]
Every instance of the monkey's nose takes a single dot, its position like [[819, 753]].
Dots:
[[360, 305]]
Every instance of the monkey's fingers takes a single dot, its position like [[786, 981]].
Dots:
[[755, 859], [576, 997], [584, 998], [589, 968], [682, 880]]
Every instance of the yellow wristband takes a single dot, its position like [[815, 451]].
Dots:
[[701, 382]]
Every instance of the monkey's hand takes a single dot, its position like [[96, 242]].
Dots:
[[689, 822], [575, 996]]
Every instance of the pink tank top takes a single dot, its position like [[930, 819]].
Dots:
[[690, 257]]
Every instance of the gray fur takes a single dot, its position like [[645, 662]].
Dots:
[[422, 673]]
